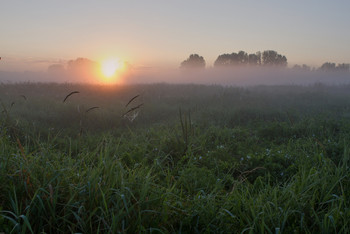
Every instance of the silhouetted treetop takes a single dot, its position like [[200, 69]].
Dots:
[[194, 61], [240, 58], [225, 60], [272, 58], [341, 67], [328, 67]]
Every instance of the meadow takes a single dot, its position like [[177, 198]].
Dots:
[[187, 159]]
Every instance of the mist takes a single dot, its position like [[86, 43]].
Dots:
[[238, 76], [241, 77]]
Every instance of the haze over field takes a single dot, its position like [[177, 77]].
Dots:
[[226, 77], [144, 42]]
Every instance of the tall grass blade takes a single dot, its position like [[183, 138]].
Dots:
[[132, 99], [70, 94]]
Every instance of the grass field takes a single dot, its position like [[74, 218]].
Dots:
[[191, 159]]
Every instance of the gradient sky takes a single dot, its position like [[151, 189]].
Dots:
[[164, 33]]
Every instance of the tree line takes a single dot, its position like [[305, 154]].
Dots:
[[269, 58]]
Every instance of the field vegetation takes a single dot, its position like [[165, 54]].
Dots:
[[187, 159]]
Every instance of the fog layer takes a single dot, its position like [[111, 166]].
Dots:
[[227, 77]]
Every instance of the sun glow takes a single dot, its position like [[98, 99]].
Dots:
[[111, 70], [110, 67]]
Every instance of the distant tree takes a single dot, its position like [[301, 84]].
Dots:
[[272, 58], [233, 59], [194, 61], [306, 67], [259, 57], [328, 67], [83, 68], [267, 58], [56, 68], [254, 59], [343, 67], [303, 67], [223, 60], [80, 63], [296, 67], [242, 57]]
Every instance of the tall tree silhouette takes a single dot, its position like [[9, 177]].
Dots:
[[254, 59]]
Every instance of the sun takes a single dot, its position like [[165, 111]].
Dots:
[[112, 71], [110, 67]]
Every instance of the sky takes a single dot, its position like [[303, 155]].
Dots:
[[158, 33]]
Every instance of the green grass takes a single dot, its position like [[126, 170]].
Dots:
[[196, 159]]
